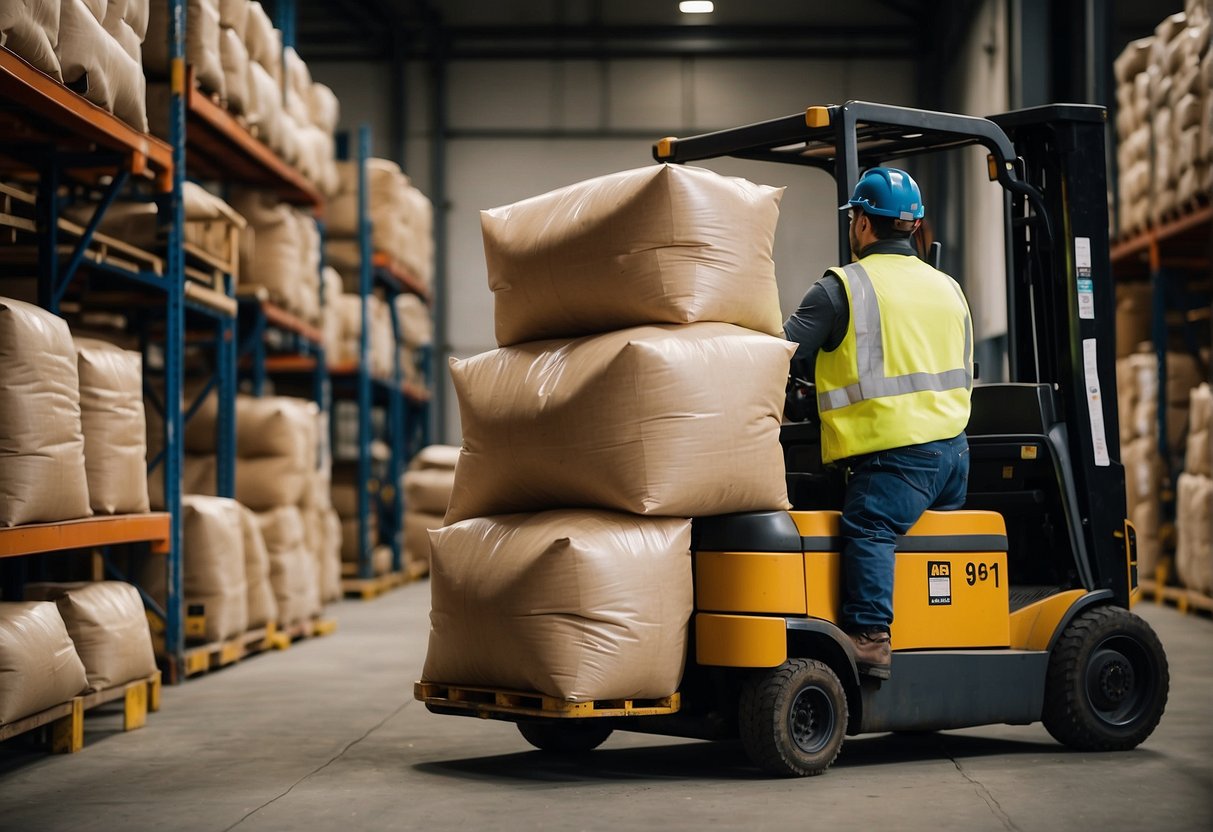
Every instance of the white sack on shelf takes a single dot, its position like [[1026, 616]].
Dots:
[[661, 244], [233, 14], [579, 605], [92, 59], [417, 528], [262, 605], [1194, 528], [1197, 456], [201, 43], [42, 468], [114, 425], [234, 57], [416, 327], [673, 420], [324, 107], [30, 28], [214, 579], [435, 456], [39, 667], [108, 627], [292, 568], [428, 490], [330, 578]]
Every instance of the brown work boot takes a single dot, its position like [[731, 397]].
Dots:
[[873, 654]]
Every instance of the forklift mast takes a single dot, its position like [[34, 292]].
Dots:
[[1050, 163]]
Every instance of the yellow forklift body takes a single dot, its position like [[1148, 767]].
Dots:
[[740, 640], [948, 594]]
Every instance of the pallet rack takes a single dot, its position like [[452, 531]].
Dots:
[[65, 141], [1171, 256], [406, 405], [51, 132]]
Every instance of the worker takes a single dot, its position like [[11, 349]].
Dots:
[[890, 342]]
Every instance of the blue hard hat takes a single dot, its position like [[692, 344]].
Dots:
[[887, 192]]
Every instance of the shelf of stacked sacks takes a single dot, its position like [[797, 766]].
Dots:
[[94, 49], [1164, 122], [1149, 477], [71, 413], [259, 568], [254, 114], [402, 228], [646, 391], [1194, 511]]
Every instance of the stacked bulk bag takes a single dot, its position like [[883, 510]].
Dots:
[[114, 426], [39, 667], [662, 244], [613, 440], [108, 627], [579, 605], [42, 464], [634, 420]]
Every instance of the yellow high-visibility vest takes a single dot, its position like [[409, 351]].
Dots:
[[903, 373]]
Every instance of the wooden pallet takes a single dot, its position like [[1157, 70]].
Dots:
[[369, 589], [216, 654], [315, 627], [491, 702], [66, 721], [1183, 599]]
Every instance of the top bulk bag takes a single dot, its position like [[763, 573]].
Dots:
[[661, 244], [663, 420]]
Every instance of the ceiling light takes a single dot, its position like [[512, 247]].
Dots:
[[696, 7]]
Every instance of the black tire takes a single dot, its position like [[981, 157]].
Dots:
[[1107, 683], [793, 718], [570, 736]]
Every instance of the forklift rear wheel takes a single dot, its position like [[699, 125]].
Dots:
[[566, 737], [793, 718], [1107, 683]]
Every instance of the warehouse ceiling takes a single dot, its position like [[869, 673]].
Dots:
[[367, 29], [378, 29]]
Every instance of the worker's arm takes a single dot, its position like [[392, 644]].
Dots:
[[820, 322]]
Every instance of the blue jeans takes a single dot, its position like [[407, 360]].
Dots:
[[887, 492]]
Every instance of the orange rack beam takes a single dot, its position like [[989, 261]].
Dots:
[[406, 281], [1146, 241], [219, 147], [48, 110], [86, 534], [290, 363], [279, 317]]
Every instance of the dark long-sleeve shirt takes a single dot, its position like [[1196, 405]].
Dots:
[[821, 321]]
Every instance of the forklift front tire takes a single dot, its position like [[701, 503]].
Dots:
[[793, 718], [1107, 682], [568, 736]]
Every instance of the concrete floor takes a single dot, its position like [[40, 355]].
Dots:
[[326, 736]]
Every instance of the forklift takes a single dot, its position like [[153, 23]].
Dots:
[[1015, 609]]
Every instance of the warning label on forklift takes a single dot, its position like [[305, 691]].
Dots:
[[939, 583], [1099, 439], [1086, 286]]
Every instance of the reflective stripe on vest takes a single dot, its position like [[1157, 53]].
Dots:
[[869, 354]]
